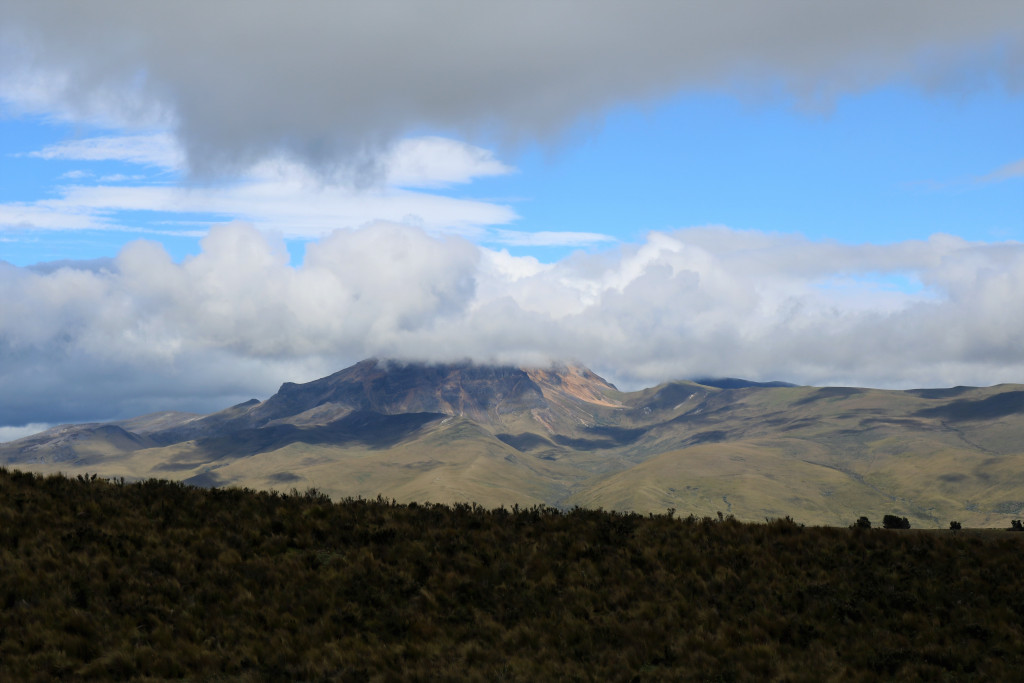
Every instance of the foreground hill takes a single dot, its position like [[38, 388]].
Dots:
[[157, 581], [564, 437]]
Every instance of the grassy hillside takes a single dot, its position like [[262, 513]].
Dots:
[[822, 455], [158, 580]]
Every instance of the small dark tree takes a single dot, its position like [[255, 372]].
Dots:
[[1016, 525], [894, 522], [862, 523], [954, 526]]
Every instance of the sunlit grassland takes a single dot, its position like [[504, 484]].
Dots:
[[823, 455]]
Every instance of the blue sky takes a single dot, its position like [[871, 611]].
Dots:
[[879, 167], [198, 204]]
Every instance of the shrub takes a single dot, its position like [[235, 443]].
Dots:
[[157, 581], [894, 522], [862, 523]]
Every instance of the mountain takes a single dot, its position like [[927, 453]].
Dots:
[[484, 394], [562, 436]]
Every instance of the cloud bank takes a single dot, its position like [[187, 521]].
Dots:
[[334, 83], [141, 333]]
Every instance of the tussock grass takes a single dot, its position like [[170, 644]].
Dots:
[[161, 581]]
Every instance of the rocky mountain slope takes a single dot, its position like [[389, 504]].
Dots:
[[563, 436]]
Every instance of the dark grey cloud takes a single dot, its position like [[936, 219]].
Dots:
[[329, 83]]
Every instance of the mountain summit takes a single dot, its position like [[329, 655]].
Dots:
[[479, 392], [486, 394], [563, 436]]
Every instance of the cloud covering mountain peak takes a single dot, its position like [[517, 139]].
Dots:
[[143, 332]]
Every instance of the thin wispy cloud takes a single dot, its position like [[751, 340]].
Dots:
[[1014, 169], [160, 150], [548, 238], [1001, 174], [279, 195]]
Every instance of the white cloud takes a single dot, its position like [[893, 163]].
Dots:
[[279, 195], [121, 178], [1014, 169], [158, 149], [548, 238], [15, 433], [436, 162], [146, 333], [47, 215]]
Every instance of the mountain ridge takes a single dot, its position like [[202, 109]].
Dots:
[[564, 436]]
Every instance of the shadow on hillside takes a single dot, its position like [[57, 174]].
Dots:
[[366, 428], [1000, 405]]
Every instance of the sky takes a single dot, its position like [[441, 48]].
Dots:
[[200, 201]]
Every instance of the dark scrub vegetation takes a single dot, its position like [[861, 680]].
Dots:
[[894, 522], [157, 580]]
